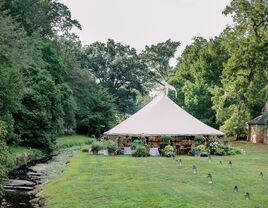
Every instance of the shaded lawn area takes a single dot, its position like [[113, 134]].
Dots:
[[124, 181], [71, 140]]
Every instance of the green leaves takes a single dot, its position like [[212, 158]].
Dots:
[[197, 74], [95, 106], [244, 76], [119, 70], [5, 162], [157, 58], [224, 80]]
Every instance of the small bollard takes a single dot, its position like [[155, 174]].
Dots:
[[209, 158], [235, 189], [194, 169], [247, 196], [209, 177], [230, 164]]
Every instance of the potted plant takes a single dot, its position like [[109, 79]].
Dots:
[[140, 151], [169, 150], [111, 147], [200, 139], [166, 139], [96, 147]]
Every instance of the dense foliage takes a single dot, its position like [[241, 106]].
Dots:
[[224, 81], [5, 163], [44, 91], [140, 151], [169, 150], [111, 146], [214, 147]]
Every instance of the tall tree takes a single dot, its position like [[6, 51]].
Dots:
[[197, 73], [245, 75], [119, 69], [44, 17], [95, 106], [157, 59], [17, 52]]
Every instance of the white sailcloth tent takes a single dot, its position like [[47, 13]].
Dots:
[[162, 117]]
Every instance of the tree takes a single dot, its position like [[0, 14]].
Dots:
[[40, 118], [157, 59], [197, 73], [17, 52], [245, 75], [47, 18], [119, 69], [95, 107]]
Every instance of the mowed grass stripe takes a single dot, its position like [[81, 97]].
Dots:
[[123, 181]]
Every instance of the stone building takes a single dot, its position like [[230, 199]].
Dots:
[[257, 130]]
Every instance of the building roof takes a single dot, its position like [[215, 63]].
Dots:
[[162, 117], [260, 120]]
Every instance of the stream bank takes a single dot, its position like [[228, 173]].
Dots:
[[24, 189]]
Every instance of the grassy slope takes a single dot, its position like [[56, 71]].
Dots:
[[99, 181], [73, 140], [22, 155], [15, 150]]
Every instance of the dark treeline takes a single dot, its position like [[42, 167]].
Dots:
[[51, 85]]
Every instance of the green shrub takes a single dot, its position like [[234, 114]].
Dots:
[[5, 164], [233, 151], [111, 146], [96, 146], [200, 139], [220, 150], [140, 151], [90, 141], [198, 149], [166, 139], [135, 143], [169, 150], [213, 145], [85, 150]]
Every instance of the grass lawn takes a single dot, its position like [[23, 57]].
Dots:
[[72, 140], [16, 150], [124, 181], [21, 155]]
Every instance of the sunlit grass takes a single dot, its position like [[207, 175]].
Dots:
[[124, 181], [72, 140]]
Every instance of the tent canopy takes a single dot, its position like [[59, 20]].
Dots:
[[162, 117]]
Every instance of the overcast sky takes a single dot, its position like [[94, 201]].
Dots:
[[145, 22]]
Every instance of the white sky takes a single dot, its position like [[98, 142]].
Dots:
[[145, 22]]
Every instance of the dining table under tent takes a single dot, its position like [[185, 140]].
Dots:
[[161, 117]]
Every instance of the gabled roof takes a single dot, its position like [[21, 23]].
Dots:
[[162, 117], [260, 120]]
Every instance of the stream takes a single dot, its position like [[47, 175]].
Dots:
[[24, 188]]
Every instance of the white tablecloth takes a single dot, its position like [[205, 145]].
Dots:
[[105, 152], [154, 152], [127, 151]]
